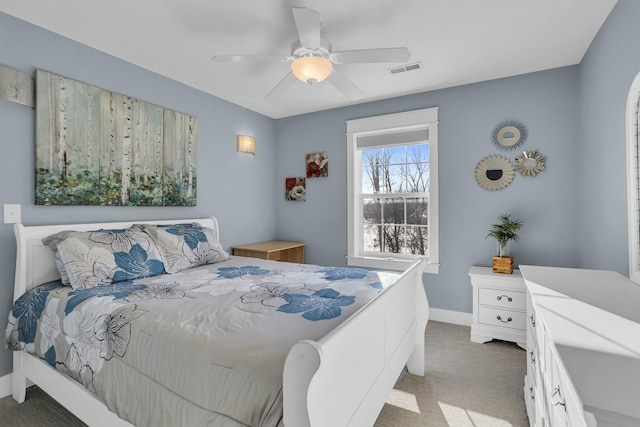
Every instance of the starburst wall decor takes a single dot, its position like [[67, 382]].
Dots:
[[529, 163], [509, 135], [494, 173]]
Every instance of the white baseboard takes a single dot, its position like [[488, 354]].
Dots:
[[5, 386], [448, 316]]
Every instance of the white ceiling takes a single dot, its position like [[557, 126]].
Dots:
[[457, 41]]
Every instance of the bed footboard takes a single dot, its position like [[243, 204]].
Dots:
[[345, 378]]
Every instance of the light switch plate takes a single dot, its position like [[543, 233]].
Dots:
[[12, 214]]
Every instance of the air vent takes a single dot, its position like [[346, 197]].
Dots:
[[407, 67]]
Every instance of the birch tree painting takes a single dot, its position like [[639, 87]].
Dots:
[[95, 147]]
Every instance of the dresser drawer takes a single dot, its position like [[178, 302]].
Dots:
[[564, 404], [502, 298], [500, 317], [532, 359], [529, 401], [536, 329]]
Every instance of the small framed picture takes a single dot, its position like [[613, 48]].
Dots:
[[295, 189], [317, 165]]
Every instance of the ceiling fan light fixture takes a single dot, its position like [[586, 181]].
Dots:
[[311, 69]]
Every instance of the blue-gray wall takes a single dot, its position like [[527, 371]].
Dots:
[[605, 76], [574, 212], [546, 102], [575, 117], [237, 188]]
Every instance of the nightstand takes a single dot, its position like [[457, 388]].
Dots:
[[499, 306], [276, 250]]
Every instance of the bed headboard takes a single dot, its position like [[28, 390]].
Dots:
[[35, 263]]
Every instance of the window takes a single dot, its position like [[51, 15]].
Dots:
[[392, 190], [633, 177]]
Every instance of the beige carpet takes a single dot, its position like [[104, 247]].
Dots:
[[466, 384], [38, 410]]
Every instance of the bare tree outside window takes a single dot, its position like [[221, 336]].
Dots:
[[395, 199]]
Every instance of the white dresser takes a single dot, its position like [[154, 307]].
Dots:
[[583, 340], [499, 306]]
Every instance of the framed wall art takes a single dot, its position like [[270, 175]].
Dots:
[[295, 189], [96, 147], [317, 165]]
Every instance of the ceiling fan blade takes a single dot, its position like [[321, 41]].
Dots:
[[308, 26], [344, 85], [251, 58], [391, 54], [281, 87]]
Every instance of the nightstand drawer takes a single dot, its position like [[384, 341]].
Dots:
[[274, 250], [275, 256], [504, 318], [502, 298], [496, 295]]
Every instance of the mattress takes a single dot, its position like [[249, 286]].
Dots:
[[205, 346]]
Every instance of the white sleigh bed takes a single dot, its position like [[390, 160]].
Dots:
[[364, 355]]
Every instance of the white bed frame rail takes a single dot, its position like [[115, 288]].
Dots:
[[342, 379], [345, 378]]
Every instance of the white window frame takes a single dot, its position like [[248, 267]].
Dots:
[[381, 125], [633, 178]]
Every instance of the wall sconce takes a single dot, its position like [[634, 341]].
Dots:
[[246, 144]]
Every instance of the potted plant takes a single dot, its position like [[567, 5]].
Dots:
[[504, 232]]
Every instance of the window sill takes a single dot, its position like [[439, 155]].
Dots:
[[389, 264]]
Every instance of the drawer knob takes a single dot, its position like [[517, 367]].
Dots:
[[533, 321], [499, 298], [556, 398], [533, 357], [532, 392], [504, 321]]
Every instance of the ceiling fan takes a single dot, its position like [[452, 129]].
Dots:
[[312, 59]]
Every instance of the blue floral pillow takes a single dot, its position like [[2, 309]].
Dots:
[[102, 257], [184, 246]]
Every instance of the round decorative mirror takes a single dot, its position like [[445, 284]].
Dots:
[[509, 135], [494, 173], [529, 163]]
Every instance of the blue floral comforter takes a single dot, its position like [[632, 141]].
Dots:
[[201, 347]]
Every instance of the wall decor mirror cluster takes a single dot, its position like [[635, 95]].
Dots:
[[529, 163], [494, 173], [509, 135]]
